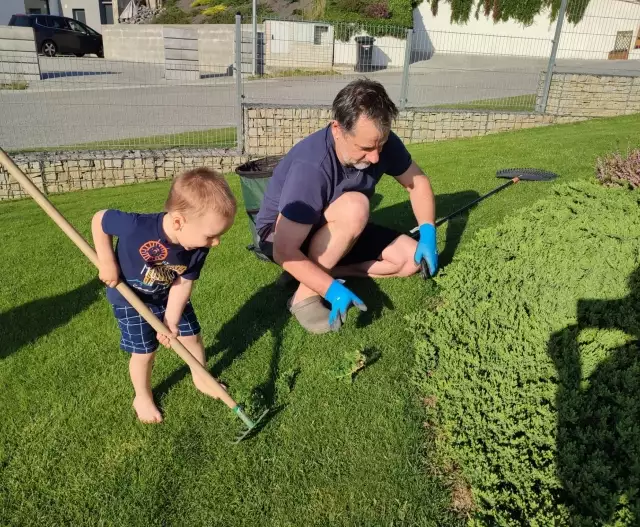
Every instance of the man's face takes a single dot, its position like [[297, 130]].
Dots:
[[362, 146]]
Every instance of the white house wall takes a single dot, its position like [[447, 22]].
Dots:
[[91, 10], [592, 38]]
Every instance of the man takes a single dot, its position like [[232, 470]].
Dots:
[[314, 217]]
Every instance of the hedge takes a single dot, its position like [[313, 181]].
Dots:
[[530, 366]]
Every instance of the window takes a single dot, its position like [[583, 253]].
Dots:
[[57, 23], [20, 21], [79, 15], [637, 46], [106, 12], [317, 34], [35, 11], [623, 41], [78, 28]]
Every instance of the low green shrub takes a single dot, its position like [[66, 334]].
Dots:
[[530, 364], [171, 14], [617, 170]]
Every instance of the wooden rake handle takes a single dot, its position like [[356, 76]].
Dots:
[[214, 389]]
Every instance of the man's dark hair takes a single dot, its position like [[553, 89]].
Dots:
[[364, 97]]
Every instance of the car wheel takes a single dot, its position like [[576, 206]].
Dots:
[[79, 54], [49, 48]]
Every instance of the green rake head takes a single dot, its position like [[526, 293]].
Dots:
[[252, 426]]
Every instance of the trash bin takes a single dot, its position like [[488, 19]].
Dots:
[[254, 178], [364, 53]]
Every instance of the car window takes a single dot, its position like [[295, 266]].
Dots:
[[41, 21], [89, 30], [75, 26], [57, 23], [20, 21]]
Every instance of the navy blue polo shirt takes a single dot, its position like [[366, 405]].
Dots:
[[148, 261], [310, 177]]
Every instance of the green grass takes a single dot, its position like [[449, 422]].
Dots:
[[214, 138], [337, 452], [16, 85], [294, 73], [516, 103]]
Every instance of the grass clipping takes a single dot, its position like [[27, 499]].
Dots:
[[531, 361]]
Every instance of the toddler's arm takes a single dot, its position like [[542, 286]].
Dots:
[[179, 295], [107, 265]]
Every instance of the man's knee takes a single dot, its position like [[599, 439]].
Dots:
[[350, 210]]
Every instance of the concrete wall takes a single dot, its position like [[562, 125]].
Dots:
[[134, 43], [290, 45], [18, 55], [592, 38], [9, 8], [181, 53], [145, 43]]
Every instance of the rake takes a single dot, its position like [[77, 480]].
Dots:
[[213, 387], [514, 175]]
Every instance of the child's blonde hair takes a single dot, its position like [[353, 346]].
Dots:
[[200, 190]]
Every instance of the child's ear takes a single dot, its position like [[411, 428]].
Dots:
[[177, 221]]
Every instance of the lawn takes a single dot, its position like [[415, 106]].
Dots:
[[334, 453], [515, 103], [213, 138]]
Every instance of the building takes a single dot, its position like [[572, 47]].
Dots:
[[609, 29], [94, 13]]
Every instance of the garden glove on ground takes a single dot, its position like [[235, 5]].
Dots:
[[341, 300], [427, 249]]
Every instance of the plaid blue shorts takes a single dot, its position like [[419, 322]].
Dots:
[[137, 335]]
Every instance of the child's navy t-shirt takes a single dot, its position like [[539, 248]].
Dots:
[[149, 263]]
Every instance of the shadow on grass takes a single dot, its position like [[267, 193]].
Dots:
[[401, 218], [598, 446], [266, 310], [33, 320]]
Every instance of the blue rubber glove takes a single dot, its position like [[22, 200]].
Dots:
[[341, 300], [427, 249]]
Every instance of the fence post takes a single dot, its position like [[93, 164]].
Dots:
[[542, 103], [404, 88], [254, 38], [239, 112]]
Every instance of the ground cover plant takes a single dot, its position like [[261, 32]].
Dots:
[[530, 363], [346, 444]]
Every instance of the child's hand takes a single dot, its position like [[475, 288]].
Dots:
[[109, 273], [165, 340]]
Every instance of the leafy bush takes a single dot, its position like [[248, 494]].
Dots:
[[530, 363], [379, 10], [201, 3], [171, 14], [616, 170], [214, 10]]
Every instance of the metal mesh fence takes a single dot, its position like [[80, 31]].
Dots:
[[92, 103], [186, 93]]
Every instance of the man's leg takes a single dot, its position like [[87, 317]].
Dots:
[[396, 260], [346, 218]]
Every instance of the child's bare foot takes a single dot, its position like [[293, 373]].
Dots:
[[146, 410]]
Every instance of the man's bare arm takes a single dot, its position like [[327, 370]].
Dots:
[[420, 194]]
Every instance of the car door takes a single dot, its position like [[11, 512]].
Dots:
[[64, 38], [93, 39], [81, 37]]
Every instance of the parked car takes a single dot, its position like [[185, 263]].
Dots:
[[59, 35]]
